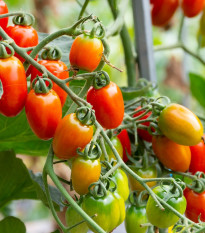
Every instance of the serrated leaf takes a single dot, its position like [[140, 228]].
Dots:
[[1, 89], [12, 224], [197, 87]]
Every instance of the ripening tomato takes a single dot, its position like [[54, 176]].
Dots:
[[108, 105], [195, 205], [162, 11], [197, 158], [144, 134], [89, 173], [13, 78], [3, 10], [70, 135], [171, 155], [40, 113], [180, 125], [24, 36], [86, 53], [164, 218], [192, 8], [57, 68], [125, 141]]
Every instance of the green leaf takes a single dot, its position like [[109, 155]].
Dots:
[[16, 182], [197, 87], [1, 89], [12, 224]]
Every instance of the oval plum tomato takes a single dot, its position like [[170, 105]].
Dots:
[[24, 36], [43, 112], [164, 218], [72, 217], [195, 205], [109, 210], [144, 134], [86, 53], [180, 125], [57, 68], [89, 173], [197, 158], [135, 216], [150, 172], [108, 105], [118, 146], [70, 135], [192, 8], [162, 11], [13, 78], [126, 145], [172, 155], [3, 10]]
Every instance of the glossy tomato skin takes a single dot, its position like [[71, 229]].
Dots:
[[197, 158], [150, 172], [126, 145], [108, 105], [135, 216], [180, 125], [144, 134], [195, 205], [24, 36], [86, 53], [57, 68], [72, 217], [192, 8], [13, 78], [121, 180], [118, 146], [84, 172], [172, 155], [3, 10], [162, 11], [108, 209], [164, 218], [40, 113], [70, 135]]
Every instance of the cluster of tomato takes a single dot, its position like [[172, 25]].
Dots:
[[163, 10]]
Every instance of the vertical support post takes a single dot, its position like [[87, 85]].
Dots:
[[143, 38]]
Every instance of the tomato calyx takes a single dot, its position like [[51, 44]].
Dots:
[[85, 115], [3, 51], [198, 185], [39, 84], [52, 53], [92, 151], [24, 19], [138, 199], [101, 80]]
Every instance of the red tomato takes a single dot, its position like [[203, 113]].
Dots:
[[197, 158], [86, 53], [3, 10], [125, 141], [195, 205], [108, 105], [70, 135], [13, 78], [24, 36], [57, 68], [43, 112], [171, 155], [144, 134], [163, 10], [192, 8]]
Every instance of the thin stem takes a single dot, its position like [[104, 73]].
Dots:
[[181, 28], [112, 170], [83, 8]]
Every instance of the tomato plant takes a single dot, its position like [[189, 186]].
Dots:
[[171, 155], [163, 10], [164, 218], [3, 10], [86, 53], [13, 78], [40, 115], [89, 173], [195, 209], [180, 125], [108, 105], [70, 135], [192, 8], [126, 144]]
